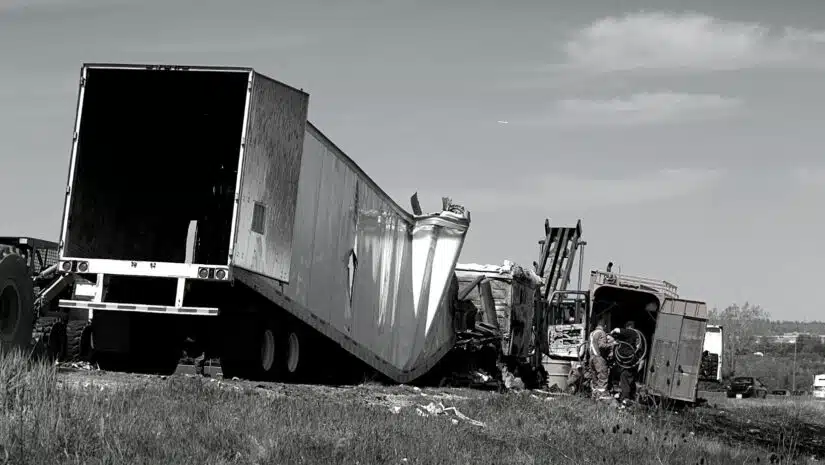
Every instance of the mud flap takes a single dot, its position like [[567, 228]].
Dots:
[[16, 304]]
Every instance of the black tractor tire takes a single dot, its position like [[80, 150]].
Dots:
[[78, 333], [16, 304], [49, 339]]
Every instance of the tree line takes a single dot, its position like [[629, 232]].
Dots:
[[742, 326]]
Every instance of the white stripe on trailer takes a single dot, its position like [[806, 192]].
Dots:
[[208, 311]]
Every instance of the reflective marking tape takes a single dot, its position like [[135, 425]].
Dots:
[[139, 308]]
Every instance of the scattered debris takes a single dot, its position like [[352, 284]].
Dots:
[[78, 366], [433, 409]]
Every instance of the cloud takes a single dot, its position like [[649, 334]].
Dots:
[[638, 109], [689, 41], [579, 192]]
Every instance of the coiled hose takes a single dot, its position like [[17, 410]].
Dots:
[[629, 360]]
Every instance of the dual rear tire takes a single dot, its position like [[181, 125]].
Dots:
[[267, 349]]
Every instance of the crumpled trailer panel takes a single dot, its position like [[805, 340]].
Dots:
[[366, 273]]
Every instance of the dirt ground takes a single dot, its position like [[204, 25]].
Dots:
[[798, 424], [764, 423]]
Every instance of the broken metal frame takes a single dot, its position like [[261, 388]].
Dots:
[[562, 243]]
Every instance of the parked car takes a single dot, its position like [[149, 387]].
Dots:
[[746, 386], [781, 392]]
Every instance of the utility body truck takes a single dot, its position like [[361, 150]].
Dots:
[[672, 329]]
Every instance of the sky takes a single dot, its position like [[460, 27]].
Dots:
[[685, 135]]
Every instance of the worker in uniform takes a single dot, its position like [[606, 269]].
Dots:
[[600, 347], [628, 345]]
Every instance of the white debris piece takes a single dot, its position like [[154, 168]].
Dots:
[[433, 409]]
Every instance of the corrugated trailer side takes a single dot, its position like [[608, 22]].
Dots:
[[364, 272]]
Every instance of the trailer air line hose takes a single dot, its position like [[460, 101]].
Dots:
[[632, 359]]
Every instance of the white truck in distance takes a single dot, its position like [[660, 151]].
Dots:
[[712, 360], [819, 386], [202, 204]]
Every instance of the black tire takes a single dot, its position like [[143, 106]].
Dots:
[[49, 339], [76, 330], [299, 346], [251, 350], [16, 304]]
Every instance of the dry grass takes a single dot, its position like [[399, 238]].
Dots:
[[189, 420]]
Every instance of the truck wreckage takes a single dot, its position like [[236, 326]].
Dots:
[[248, 231], [540, 328]]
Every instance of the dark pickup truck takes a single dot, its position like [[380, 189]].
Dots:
[[746, 386]]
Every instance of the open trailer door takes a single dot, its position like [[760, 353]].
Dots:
[[676, 351], [691, 344]]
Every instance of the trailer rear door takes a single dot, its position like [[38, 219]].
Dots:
[[664, 350], [676, 352], [691, 343]]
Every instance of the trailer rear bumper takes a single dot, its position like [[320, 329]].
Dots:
[[119, 307], [146, 269]]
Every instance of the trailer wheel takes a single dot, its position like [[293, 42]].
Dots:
[[16, 304], [251, 350], [268, 350], [298, 350], [293, 352]]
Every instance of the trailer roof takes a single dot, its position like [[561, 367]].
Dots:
[[179, 67], [170, 67]]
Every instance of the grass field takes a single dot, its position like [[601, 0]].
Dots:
[[101, 418]]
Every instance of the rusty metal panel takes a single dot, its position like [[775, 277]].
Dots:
[[663, 353], [688, 360], [523, 308], [271, 164]]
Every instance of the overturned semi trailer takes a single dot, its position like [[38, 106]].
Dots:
[[202, 205]]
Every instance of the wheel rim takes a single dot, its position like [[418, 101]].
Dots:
[[294, 353], [9, 310], [268, 350]]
